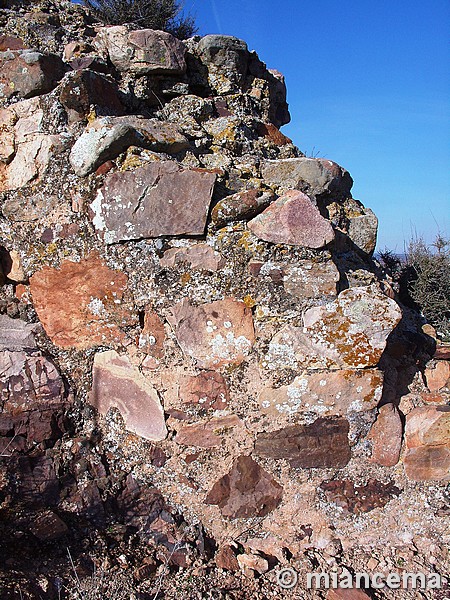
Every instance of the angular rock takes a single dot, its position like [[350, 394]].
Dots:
[[427, 437], [329, 393], [241, 206], [252, 562], [10, 42], [321, 445], [350, 332], [143, 51], [346, 594], [208, 389], [107, 137], [27, 73], [199, 257], [151, 340], [226, 58], [16, 335], [308, 279], [226, 559], [158, 199], [7, 145], [117, 384], [362, 230], [47, 526], [438, 376], [358, 499], [315, 176], [246, 491], [386, 436], [215, 334], [293, 219], [206, 434], [11, 265], [79, 304]]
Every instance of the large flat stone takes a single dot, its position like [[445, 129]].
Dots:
[[158, 199], [215, 334], [350, 332], [79, 304], [293, 219], [117, 384]]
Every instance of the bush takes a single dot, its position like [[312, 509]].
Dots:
[[164, 15]]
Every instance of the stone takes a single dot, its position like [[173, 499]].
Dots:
[[32, 397], [442, 351], [323, 444], [11, 265], [107, 137], [226, 558], [294, 220], [241, 206], [273, 134], [208, 389], [207, 434], [10, 42], [362, 230], [80, 304], [151, 339], [246, 491], [350, 332], [16, 335], [253, 562], [215, 334], [27, 73], [328, 393], [357, 499], [7, 138], [201, 257], [308, 279], [158, 199], [226, 58], [437, 377], [427, 438], [143, 51], [117, 384], [47, 527], [314, 176], [386, 436], [346, 594]]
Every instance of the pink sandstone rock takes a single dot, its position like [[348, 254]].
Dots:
[[208, 389], [427, 436], [293, 219], [215, 334], [350, 332], [326, 393], [206, 434], [158, 199], [117, 384], [199, 256], [438, 376], [79, 304], [246, 491], [151, 339], [386, 436]]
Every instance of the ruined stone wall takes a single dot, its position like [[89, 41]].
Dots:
[[193, 329]]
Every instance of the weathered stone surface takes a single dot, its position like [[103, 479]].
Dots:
[[293, 219], [79, 304], [158, 199], [143, 51], [358, 499], [10, 42], [107, 137], [207, 434], [252, 562], [151, 339], [322, 444], [329, 393], [241, 206], [32, 397], [314, 176], [308, 279], [11, 265], [198, 256], [246, 491], [438, 376], [7, 146], [27, 73], [47, 526], [117, 384], [226, 58], [346, 594], [226, 559], [386, 436], [15, 334], [427, 436], [215, 334], [208, 389], [350, 332], [362, 230]]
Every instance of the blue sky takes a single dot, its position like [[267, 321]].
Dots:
[[368, 87]]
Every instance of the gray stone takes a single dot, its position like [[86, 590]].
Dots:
[[227, 59], [16, 335]]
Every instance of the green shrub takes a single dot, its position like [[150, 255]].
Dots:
[[164, 15]]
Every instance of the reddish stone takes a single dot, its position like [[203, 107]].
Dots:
[[246, 491], [321, 445], [215, 334], [162, 199], [438, 376], [294, 220], [206, 434], [105, 168], [10, 42], [241, 206], [79, 304], [47, 527], [151, 339], [117, 384], [198, 257], [442, 352], [360, 498], [386, 436], [273, 134], [208, 389], [346, 594], [226, 559]]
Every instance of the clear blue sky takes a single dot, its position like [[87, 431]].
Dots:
[[368, 87]]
